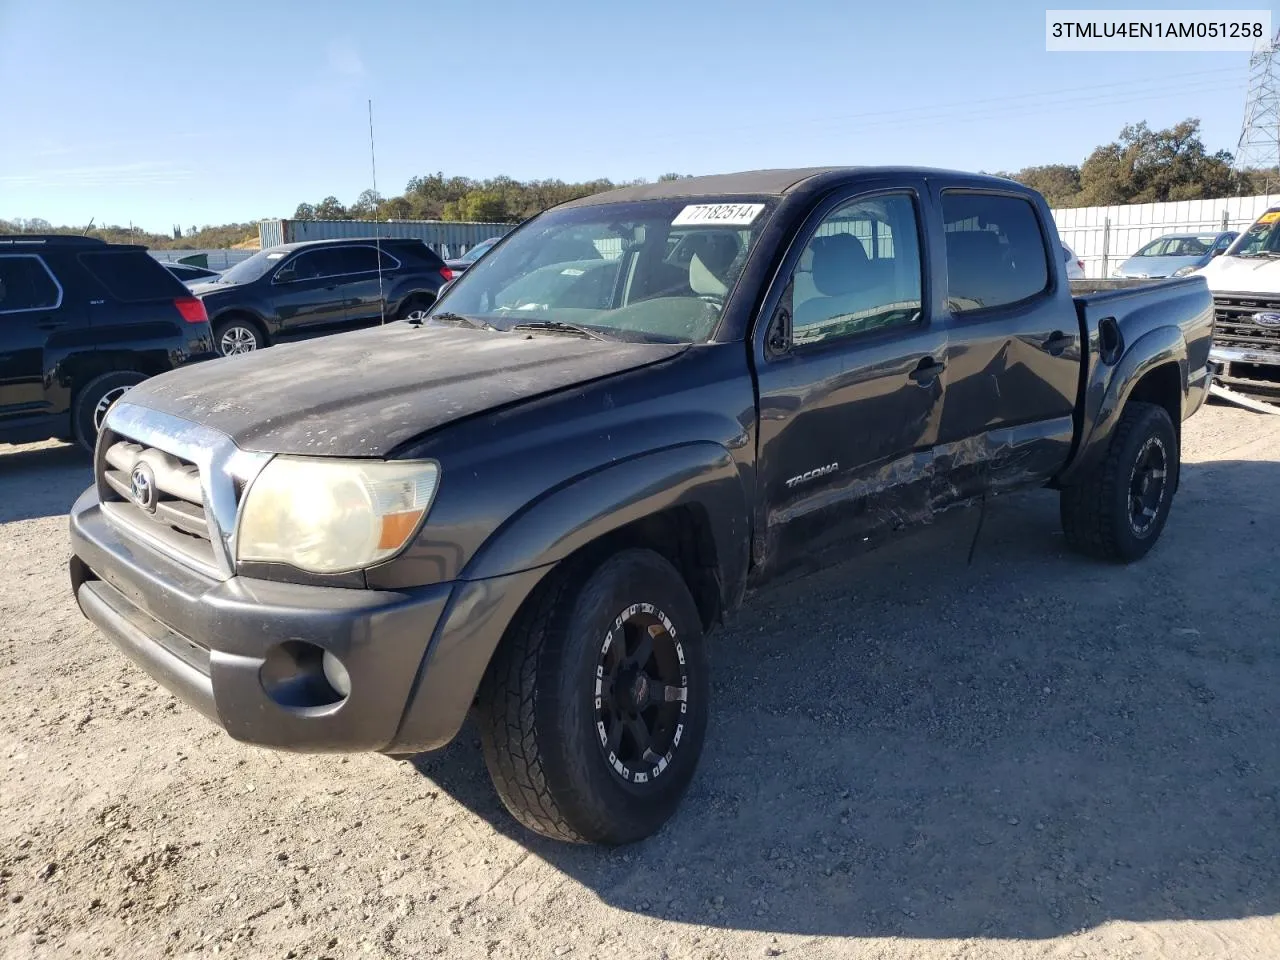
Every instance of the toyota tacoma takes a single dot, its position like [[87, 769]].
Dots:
[[537, 499]]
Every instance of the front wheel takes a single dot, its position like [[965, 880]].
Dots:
[[594, 709], [234, 337], [1118, 511]]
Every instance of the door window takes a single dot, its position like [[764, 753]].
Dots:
[[995, 251], [26, 284], [859, 273]]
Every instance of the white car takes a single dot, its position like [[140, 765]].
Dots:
[[1245, 282], [1075, 266]]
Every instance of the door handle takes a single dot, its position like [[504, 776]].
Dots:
[[926, 371], [51, 324], [1057, 342]]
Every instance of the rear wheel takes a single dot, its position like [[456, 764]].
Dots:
[[1118, 511], [95, 399], [594, 709], [415, 309], [237, 336]]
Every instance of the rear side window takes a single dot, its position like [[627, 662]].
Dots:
[[995, 251], [133, 275], [25, 284]]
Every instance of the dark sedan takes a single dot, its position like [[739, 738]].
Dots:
[[460, 264]]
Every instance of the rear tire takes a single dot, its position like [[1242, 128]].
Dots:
[[94, 400], [415, 308], [236, 336], [1118, 511], [596, 666]]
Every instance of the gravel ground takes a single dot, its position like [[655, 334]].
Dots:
[[1032, 756]]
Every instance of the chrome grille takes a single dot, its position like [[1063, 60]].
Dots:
[[1234, 325], [198, 475], [178, 522]]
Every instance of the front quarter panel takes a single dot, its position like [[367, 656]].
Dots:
[[563, 456]]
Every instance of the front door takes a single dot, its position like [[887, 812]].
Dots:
[[29, 302], [364, 288], [1013, 362], [307, 291], [851, 377]]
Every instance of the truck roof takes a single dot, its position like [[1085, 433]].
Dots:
[[775, 182]]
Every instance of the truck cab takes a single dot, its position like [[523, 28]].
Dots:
[[1245, 282]]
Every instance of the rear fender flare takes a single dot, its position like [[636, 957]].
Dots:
[[1153, 349]]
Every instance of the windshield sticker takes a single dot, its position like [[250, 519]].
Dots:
[[1271, 216], [721, 214], [274, 256], [572, 272]]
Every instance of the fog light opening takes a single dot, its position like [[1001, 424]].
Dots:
[[300, 676], [336, 674]]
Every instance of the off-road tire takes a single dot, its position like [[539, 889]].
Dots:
[[1095, 511], [538, 710], [103, 390]]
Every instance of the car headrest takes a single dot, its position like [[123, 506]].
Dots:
[[713, 257], [840, 264]]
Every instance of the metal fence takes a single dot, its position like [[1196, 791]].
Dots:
[[447, 238], [213, 259], [1104, 237]]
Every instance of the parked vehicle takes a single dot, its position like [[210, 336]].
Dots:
[[189, 273], [460, 264], [302, 290], [544, 495], [1246, 294], [1074, 265], [1175, 255], [82, 321]]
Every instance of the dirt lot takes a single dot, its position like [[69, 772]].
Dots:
[[1032, 756]]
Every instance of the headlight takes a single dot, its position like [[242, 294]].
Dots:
[[1183, 271], [334, 516]]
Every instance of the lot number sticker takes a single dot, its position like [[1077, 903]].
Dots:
[[722, 214], [1271, 216]]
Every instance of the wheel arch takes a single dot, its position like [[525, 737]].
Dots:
[[1153, 369], [242, 314]]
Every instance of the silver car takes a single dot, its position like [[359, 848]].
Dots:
[[1175, 254]]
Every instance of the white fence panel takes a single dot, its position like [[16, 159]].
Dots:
[[1104, 237]]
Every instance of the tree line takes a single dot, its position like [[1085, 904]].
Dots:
[[1141, 166]]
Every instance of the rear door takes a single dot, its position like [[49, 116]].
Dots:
[[1013, 360], [308, 294], [30, 316], [362, 286], [850, 375]]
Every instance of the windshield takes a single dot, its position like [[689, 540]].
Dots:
[[472, 255], [249, 270], [1178, 247], [648, 270], [1262, 237]]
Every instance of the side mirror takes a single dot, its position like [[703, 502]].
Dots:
[[1219, 252]]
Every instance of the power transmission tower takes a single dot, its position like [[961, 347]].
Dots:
[[1258, 148]]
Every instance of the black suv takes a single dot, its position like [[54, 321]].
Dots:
[[82, 321], [301, 290]]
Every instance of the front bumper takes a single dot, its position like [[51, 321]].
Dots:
[[1255, 372], [231, 648]]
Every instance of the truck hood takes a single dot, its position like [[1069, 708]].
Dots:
[[363, 394], [1242, 274]]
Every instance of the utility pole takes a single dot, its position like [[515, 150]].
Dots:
[[1258, 148]]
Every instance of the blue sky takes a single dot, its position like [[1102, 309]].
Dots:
[[165, 113]]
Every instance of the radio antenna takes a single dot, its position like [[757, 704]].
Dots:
[[377, 238], [89, 227]]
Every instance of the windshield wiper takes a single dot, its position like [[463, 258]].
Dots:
[[559, 326], [1261, 253], [456, 318]]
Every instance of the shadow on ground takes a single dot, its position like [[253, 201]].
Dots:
[[1036, 744], [41, 481]]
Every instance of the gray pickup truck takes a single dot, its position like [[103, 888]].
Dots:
[[537, 501]]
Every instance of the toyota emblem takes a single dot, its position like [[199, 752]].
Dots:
[[142, 486]]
